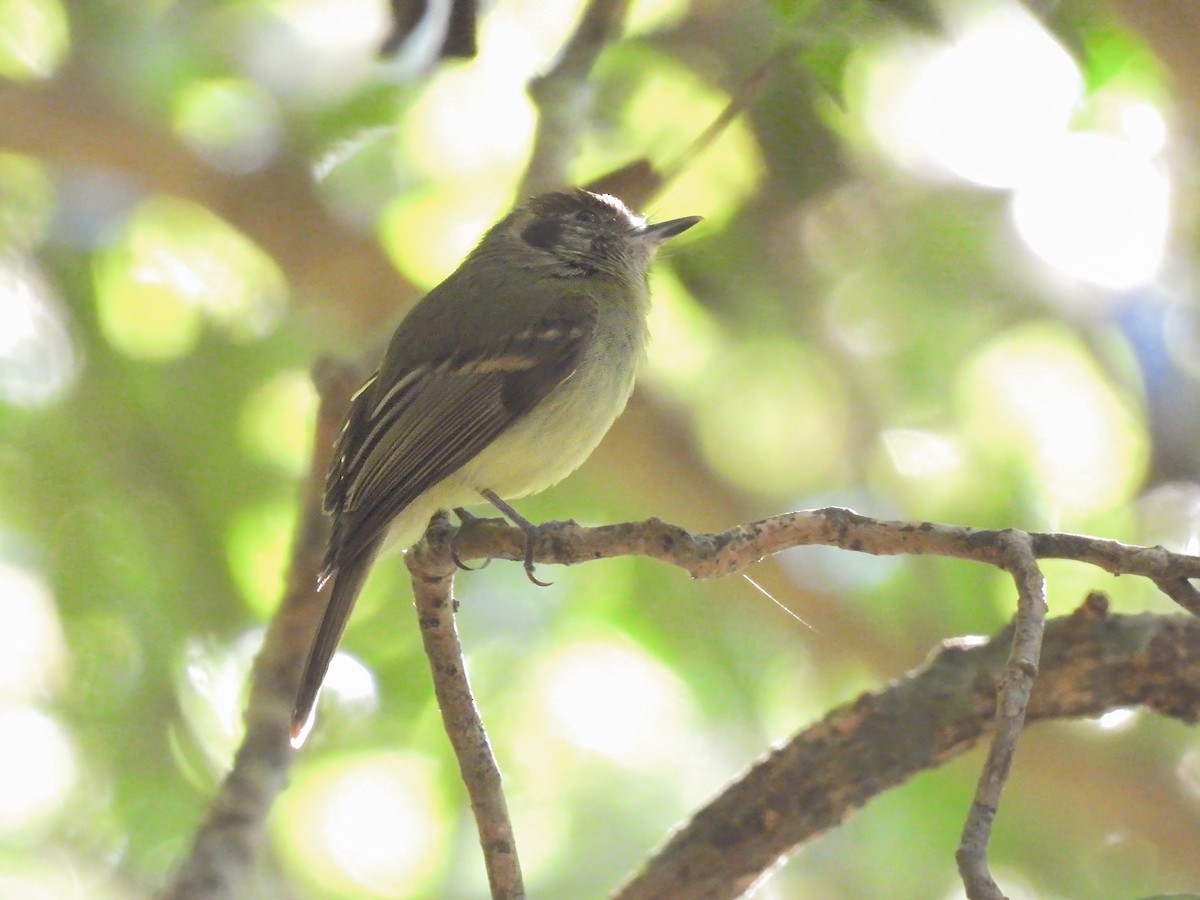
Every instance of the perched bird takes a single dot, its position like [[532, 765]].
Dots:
[[499, 383]]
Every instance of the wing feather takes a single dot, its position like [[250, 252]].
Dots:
[[402, 438]]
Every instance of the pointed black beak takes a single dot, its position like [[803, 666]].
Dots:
[[662, 231]]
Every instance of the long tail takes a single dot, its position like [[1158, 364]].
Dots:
[[347, 580]]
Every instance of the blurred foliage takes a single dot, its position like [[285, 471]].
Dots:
[[198, 200]]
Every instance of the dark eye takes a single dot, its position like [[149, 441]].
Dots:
[[543, 233], [587, 216]]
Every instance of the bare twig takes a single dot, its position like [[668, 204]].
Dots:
[[726, 552], [432, 567], [562, 97], [1016, 684], [221, 860], [1091, 663], [638, 182], [1182, 592], [748, 91]]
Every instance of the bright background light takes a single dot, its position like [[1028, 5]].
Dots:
[[994, 106], [609, 698], [1097, 209], [38, 764], [37, 358], [33, 651], [370, 825], [1034, 395], [983, 105]]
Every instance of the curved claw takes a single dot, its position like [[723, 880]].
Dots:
[[530, 537], [462, 565], [529, 574], [454, 546], [528, 529]]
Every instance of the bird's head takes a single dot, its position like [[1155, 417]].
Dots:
[[571, 234]]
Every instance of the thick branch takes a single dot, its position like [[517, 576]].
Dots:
[[1091, 663], [226, 847]]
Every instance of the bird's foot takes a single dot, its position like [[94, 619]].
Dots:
[[530, 531], [466, 519]]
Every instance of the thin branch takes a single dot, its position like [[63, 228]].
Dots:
[[1091, 663], [1182, 592], [562, 96], [723, 553], [226, 847], [745, 96], [432, 567], [1016, 685], [638, 182]]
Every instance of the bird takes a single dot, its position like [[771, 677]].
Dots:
[[499, 383]]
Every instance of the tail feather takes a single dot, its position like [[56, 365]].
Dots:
[[348, 578]]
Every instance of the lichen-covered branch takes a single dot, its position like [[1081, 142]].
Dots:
[[1092, 662]]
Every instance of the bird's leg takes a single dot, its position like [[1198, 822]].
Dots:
[[465, 518], [530, 530]]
